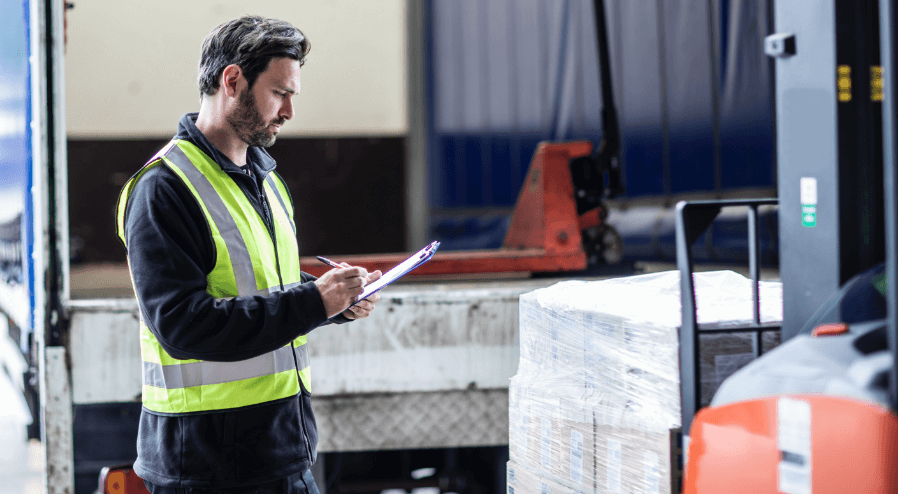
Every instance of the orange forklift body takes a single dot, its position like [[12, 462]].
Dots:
[[734, 448], [544, 235]]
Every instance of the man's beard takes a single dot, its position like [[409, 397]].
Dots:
[[249, 124]]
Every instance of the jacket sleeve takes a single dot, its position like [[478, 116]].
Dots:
[[170, 252], [339, 318]]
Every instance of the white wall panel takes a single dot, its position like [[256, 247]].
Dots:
[[131, 65]]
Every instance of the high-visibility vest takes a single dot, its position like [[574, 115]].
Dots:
[[247, 262]]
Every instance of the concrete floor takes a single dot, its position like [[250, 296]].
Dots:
[[21, 461]]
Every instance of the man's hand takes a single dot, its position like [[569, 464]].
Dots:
[[340, 287], [364, 308]]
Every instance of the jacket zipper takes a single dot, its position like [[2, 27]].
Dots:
[[269, 224], [274, 242]]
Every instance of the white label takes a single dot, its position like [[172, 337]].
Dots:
[[794, 442], [576, 456], [651, 473], [808, 191], [546, 443], [614, 466], [522, 436]]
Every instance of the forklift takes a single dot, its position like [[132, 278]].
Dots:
[[818, 413]]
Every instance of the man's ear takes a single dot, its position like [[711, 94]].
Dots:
[[230, 79]]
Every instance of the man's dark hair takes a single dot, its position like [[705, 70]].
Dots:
[[249, 42]]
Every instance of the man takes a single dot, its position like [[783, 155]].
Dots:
[[214, 260]]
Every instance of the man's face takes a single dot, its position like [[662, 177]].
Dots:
[[262, 109]]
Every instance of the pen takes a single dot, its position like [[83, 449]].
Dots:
[[328, 262]]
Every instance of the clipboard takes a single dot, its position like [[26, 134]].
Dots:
[[400, 270]]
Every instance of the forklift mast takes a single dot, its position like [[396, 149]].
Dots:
[[888, 20], [829, 148]]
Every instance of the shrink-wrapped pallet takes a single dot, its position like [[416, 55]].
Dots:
[[597, 389]]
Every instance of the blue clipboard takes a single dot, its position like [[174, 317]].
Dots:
[[400, 270]]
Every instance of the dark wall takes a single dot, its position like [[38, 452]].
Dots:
[[349, 192]]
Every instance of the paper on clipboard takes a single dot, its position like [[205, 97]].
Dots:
[[400, 270]]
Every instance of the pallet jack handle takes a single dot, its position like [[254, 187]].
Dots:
[[588, 172], [608, 151]]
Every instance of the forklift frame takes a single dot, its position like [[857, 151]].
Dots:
[[693, 219]]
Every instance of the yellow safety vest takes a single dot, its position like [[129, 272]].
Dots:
[[247, 263]]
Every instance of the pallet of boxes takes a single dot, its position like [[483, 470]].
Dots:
[[596, 396]]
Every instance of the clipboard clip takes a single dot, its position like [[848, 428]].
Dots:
[[429, 250]]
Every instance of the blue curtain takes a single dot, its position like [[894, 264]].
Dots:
[[691, 84]]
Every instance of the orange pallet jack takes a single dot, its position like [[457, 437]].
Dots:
[[547, 233]]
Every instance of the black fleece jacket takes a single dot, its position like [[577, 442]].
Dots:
[[171, 252]]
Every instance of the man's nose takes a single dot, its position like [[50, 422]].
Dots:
[[287, 112]]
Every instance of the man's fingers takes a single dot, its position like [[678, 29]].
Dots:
[[361, 309], [355, 282], [342, 286], [352, 272]]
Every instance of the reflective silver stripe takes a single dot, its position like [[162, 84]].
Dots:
[[280, 200], [276, 288], [262, 293], [243, 265], [302, 357], [200, 373], [162, 152]]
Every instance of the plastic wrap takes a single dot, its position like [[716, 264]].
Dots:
[[522, 479], [597, 389]]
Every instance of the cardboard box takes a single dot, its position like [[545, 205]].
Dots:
[[553, 436], [631, 460], [573, 446]]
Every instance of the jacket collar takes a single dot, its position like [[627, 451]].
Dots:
[[258, 158]]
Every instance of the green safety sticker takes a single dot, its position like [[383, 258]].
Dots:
[[809, 215], [808, 201]]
